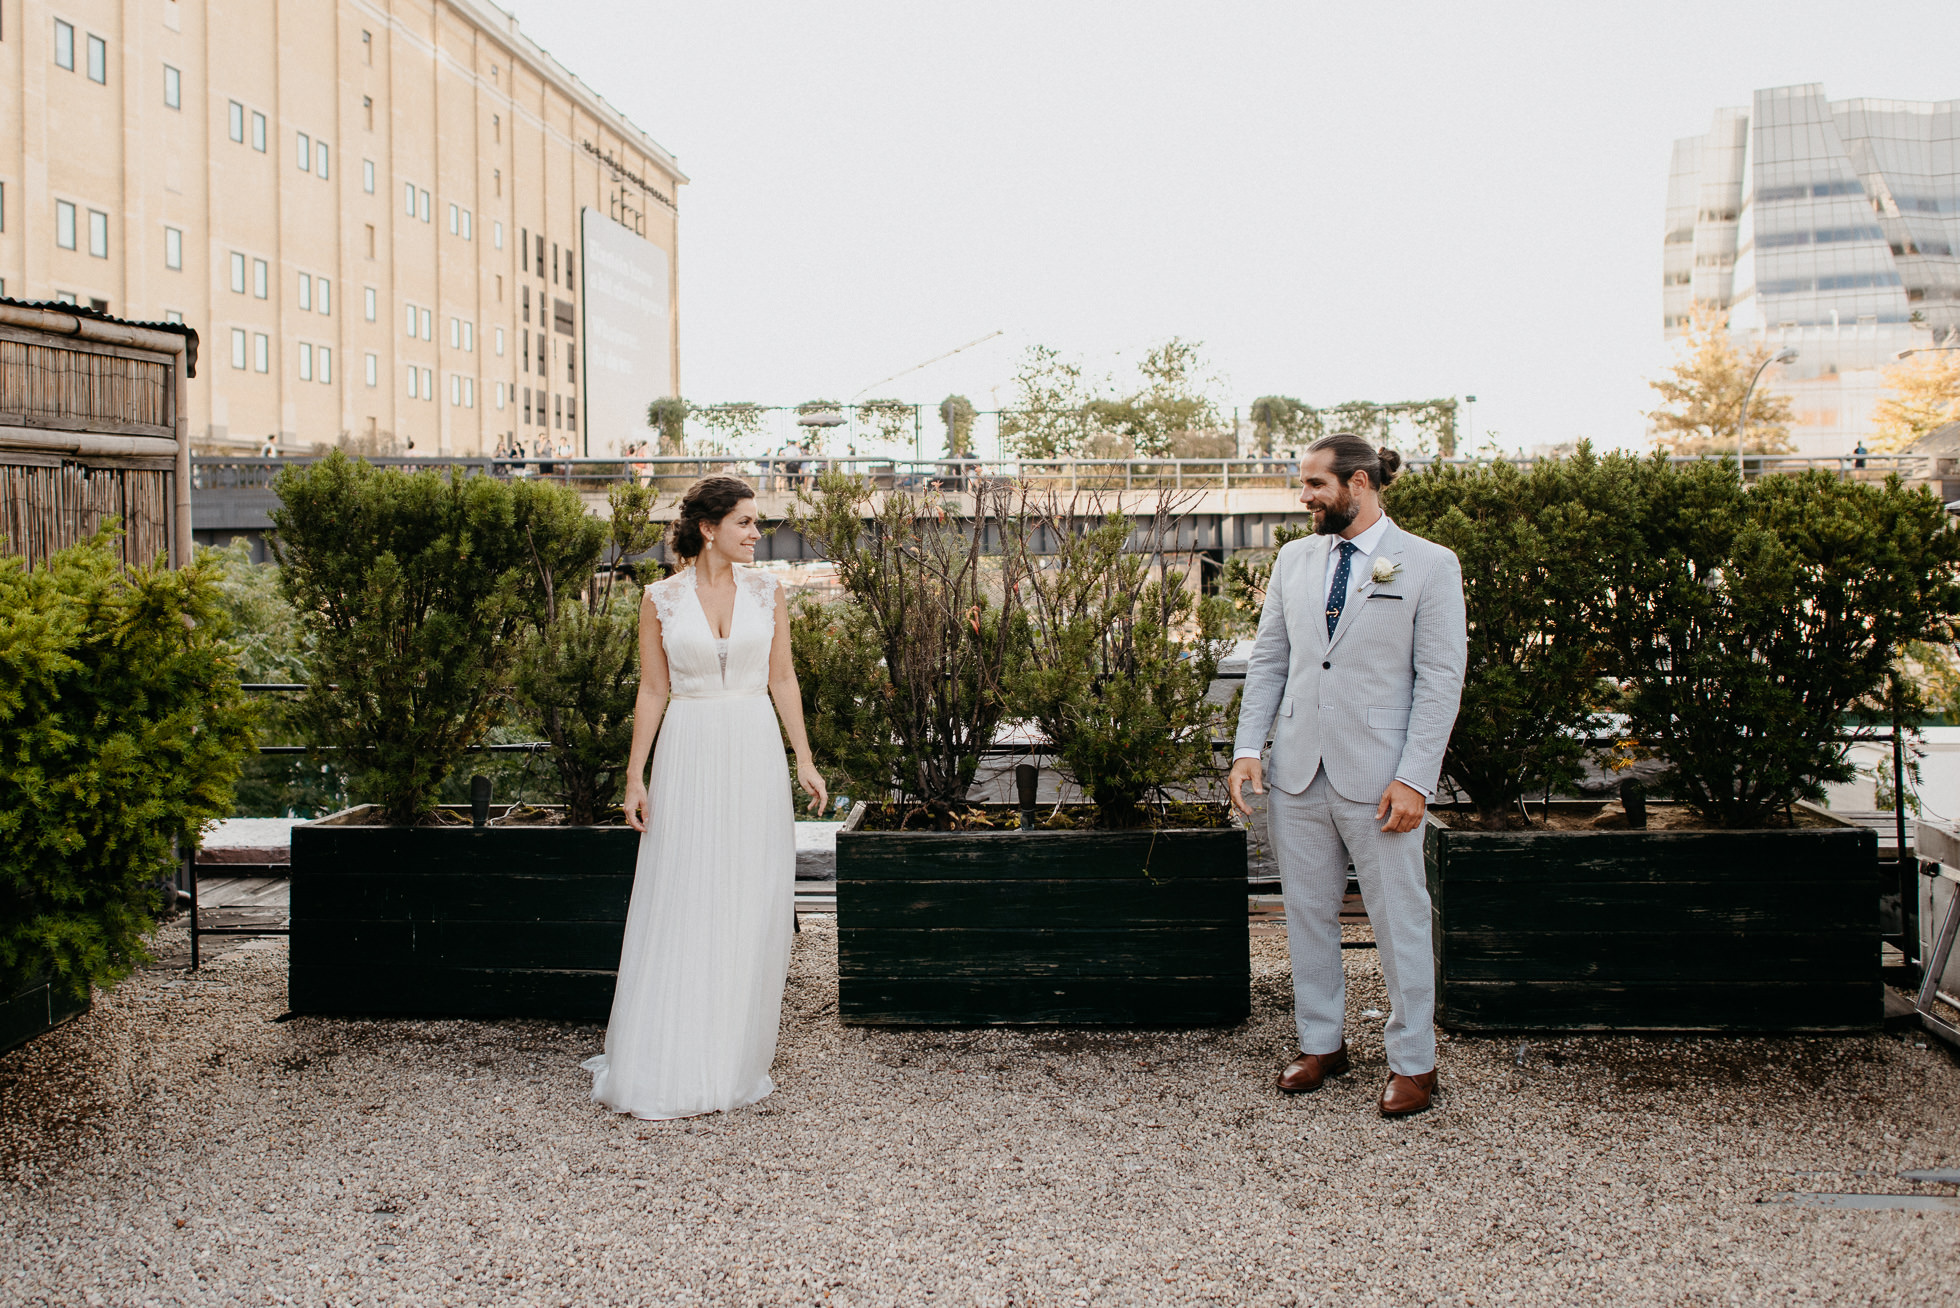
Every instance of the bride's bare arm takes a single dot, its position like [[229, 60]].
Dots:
[[789, 705], [648, 708]]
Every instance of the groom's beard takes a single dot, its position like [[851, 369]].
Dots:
[[1336, 518]]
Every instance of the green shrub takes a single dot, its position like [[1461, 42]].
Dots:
[[1749, 625], [579, 672], [940, 610], [1531, 542], [121, 730], [840, 671], [1116, 662], [414, 587]]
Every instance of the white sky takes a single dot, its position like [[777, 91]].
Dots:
[[1341, 201]]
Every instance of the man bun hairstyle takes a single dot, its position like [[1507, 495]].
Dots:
[[707, 501], [1353, 454]]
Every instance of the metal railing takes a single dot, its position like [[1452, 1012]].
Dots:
[[778, 474]]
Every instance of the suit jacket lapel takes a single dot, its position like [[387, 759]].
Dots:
[[1389, 548], [1316, 584]]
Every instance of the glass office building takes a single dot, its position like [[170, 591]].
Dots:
[[1828, 227]]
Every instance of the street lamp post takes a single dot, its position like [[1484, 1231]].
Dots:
[[1784, 355]]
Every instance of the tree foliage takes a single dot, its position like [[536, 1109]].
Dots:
[[1278, 418], [1748, 625], [840, 669], [1249, 572], [1702, 393], [414, 587], [578, 674], [1923, 396], [668, 415], [942, 613], [1119, 654], [122, 729], [1530, 541], [956, 412]]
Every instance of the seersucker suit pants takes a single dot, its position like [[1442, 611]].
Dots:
[[1315, 834]]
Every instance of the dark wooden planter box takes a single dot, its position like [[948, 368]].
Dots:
[[35, 1009], [1773, 930], [456, 922], [1070, 928]]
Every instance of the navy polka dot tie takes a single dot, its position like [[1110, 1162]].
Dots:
[[1338, 592]]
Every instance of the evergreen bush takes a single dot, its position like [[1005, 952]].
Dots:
[[1749, 625], [414, 587], [1117, 660], [122, 729], [579, 672], [1531, 541]]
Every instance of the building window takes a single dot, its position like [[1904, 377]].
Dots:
[[370, 240], [258, 131], [527, 406], [497, 186], [428, 325], [500, 397], [469, 337], [98, 60], [496, 123], [320, 159], [541, 367], [455, 391], [428, 384], [500, 342], [238, 348], [173, 88], [408, 198], [238, 122], [452, 220], [101, 305], [323, 296], [367, 46], [238, 272], [64, 297], [571, 364], [527, 349], [558, 411], [569, 280], [414, 382], [497, 233], [367, 176], [541, 254], [467, 234], [368, 298], [305, 292], [373, 365], [261, 282], [261, 352], [64, 224], [305, 152], [3, 206], [422, 205], [169, 315], [469, 392], [367, 108], [173, 249], [409, 318], [500, 288], [523, 249], [98, 233], [64, 45], [571, 413], [524, 294], [324, 365], [455, 333], [554, 263], [305, 361]]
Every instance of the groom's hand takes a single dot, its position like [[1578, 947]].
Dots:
[[1402, 805], [1244, 770]]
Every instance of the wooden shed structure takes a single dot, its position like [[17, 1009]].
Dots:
[[93, 426]]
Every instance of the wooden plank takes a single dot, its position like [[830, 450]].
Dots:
[[1609, 908], [510, 896], [1145, 1001], [580, 946], [997, 902], [1574, 857], [371, 944], [1039, 855], [1659, 1006], [952, 952], [1710, 956], [574, 996]]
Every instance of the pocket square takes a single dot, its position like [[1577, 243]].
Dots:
[[1380, 595]]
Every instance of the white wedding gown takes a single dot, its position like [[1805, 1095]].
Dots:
[[700, 991]]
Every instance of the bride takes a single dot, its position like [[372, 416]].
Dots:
[[700, 988]]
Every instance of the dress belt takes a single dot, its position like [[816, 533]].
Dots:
[[722, 694]]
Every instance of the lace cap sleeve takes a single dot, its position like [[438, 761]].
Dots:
[[760, 586], [667, 595]]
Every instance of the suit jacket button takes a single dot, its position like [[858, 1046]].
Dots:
[[1327, 665]]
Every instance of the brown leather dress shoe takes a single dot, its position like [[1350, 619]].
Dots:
[[1406, 1095], [1308, 1070]]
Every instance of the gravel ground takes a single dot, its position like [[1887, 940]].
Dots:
[[182, 1145]]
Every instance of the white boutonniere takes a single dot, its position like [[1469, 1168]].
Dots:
[[1384, 571]]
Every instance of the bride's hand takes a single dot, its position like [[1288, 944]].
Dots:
[[636, 805], [806, 777]]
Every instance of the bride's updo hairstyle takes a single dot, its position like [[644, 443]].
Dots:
[[709, 500], [1352, 455]]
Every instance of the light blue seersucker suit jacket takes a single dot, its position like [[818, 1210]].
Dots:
[[1377, 701]]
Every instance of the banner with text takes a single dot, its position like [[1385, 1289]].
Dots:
[[628, 353]]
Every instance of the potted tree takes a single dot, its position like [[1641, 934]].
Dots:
[[1743, 628], [1127, 911], [122, 730], [418, 589]]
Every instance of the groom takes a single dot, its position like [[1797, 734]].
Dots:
[[1356, 673]]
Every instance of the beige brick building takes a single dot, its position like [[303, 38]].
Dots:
[[374, 212]]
